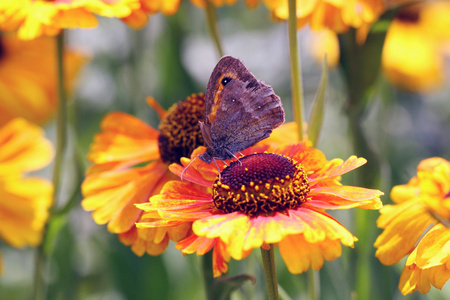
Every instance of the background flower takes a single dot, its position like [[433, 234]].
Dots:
[[419, 27], [28, 81], [338, 16], [24, 201], [416, 226]]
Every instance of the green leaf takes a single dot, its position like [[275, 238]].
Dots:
[[318, 107]]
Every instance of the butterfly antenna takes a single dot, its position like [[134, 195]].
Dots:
[[218, 169], [184, 170]]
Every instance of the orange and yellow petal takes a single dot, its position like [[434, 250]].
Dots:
[[242, 234], [28, 86], [37, 18], [112, 194], [337, 15], [202, 245], [34, 18], [24, 205], [166, 7], [414, 226], [124, 139], [403, 225], [23, 148], [153, 241], [313, 254], [429, 263]]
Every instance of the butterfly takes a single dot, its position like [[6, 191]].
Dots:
[[240, 111]]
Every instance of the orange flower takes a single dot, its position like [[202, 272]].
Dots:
[[131, 162], [265, 198], [24, 202], [337, 15], [202, 3], [34, 18], [423, 28], [28, 87], [417, 225]]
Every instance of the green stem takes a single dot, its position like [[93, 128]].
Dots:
[[296, 79], [61, 118], [270, 273], [211, 16], [313, 282], [40, 286], [208, 275]]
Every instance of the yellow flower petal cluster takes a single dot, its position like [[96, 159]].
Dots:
[[417, 39], [337, 15], [24, 201], [34, 18], [417, 226], [28, 86]]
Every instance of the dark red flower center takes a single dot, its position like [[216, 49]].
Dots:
[[261, 183], [409, 14], [179, 131]]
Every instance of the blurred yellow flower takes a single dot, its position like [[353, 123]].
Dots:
[[417, 226], [337, 15], [34, 18], [28, 81], [325, 42], [415, 44], [24, 202]]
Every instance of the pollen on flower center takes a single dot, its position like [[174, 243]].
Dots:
[[261, 183], [179, 131]]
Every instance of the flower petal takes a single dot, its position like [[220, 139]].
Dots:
[[403, 225], [112, 194], [335, 168], [124, 138], [24, 205], [434, 248], [23, 148], [344, 197], [299, 255]]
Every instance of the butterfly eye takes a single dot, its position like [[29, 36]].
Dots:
[[225, 81]]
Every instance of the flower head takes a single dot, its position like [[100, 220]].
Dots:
[[422, 28], [264, 198], [338, 16], [417, 225], [131, 162], [28, 86], [34, 18], [24, 202]]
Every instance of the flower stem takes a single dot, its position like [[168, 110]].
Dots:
[[270, 273], [40, 286], [313, 282], [296, 79], [207, 269], [211, 16]]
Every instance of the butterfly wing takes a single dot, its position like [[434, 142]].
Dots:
[[240, 110]]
